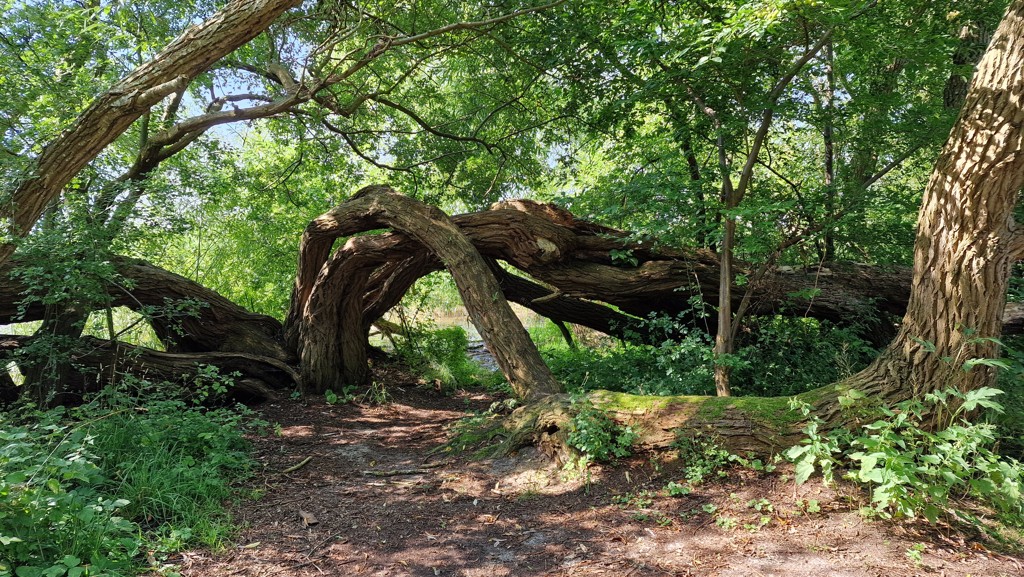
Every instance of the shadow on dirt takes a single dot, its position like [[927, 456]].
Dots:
[[374, 501]]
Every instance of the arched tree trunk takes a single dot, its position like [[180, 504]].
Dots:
[[379, 206], [333, 334]]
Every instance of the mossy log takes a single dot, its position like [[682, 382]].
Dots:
[[759, 425]]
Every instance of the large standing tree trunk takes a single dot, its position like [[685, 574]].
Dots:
[[967, 239], [116, 109], [966, 243]]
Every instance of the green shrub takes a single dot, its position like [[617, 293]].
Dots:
[[440, 354], [87, 493], [676, 367], [53, 517], [784, 356], [596, 435], [914, 471], [702, 457], [175, 466], [780, 356]]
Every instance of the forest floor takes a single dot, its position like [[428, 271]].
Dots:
[[375, 500]]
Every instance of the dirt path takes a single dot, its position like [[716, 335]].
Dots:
[[384, 506]]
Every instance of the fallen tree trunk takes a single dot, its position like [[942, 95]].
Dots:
[[165, 299], [96, 363], [577, 258], [560, 307], [761, 425], [337, 297], [574, 258]]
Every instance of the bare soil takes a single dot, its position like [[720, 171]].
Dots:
[[374, 500]]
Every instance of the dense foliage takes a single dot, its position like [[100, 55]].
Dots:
[[914, 466], [91, 491], [781, 356]]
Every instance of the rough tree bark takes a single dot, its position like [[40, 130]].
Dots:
[[112, 112], [966, 243], [220, 326], [967, 238], [221, 333], [97, 362], [377, 207]]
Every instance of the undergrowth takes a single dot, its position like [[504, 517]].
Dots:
[[596, 436], [778, 356], [114, 486], [914, 470], [439, 355]]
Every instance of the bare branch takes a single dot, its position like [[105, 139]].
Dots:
[[358, 151], [205, 121], [427, 126], [891, 165]]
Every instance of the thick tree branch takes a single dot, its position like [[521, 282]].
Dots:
[[114, 111]]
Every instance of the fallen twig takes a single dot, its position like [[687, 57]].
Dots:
[[396, 472], [284, 502], [324, 542], [294, 468]]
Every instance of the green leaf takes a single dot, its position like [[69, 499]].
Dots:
[[804, 469], [930, 347], [795, 451], [868, 462], [71, 561], [872, 476], [16, 477], [996, 363], [983, 486], [981, 397]]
